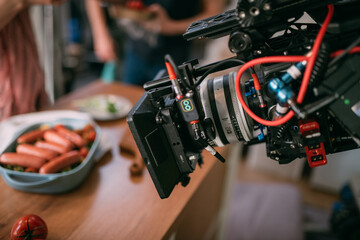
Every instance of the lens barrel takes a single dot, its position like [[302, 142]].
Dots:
[[221, 105]]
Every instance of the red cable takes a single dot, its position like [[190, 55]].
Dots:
[[314, 52], [170, 70], [256, 61], [272, 59], [257, 85], [338, 52]]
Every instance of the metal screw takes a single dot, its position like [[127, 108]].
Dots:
[[158, 119], [242, 15], [254, 11], [300, 145], [292, 146], [192, 158], [189, 94], [266, 7]]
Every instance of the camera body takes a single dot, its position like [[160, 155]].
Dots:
[[184, 112]]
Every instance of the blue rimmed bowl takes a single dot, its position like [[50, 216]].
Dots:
[[56, 182]]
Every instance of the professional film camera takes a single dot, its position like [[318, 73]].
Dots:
[[296, 87]]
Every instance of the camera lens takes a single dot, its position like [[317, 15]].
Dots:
[[222, 106]]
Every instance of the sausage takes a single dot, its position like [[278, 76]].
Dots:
[[54, 137], [31, 136], [23, 160], [61, 162], [51, 146], [36, 151], [128, 147], [70, 135]]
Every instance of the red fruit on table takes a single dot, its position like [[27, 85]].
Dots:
[[29, 227]]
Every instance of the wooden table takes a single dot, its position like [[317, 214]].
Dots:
[[112, 205]]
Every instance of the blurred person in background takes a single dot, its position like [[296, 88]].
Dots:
[[22, 87], [143, 58]]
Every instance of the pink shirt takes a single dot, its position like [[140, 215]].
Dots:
[[21, 78]]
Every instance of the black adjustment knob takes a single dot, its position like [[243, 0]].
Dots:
[[209, 129], [239, 42]]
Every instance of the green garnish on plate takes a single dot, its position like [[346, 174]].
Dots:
[[110, 106]]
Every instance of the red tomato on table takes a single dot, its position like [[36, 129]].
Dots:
[[29, 227]]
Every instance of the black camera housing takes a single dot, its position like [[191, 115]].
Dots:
[[168, 143], [159, 133]]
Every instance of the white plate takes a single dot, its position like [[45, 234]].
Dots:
[[104, 107]]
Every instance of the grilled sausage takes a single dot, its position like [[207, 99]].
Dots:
[[31, 136], [61, 162], [36, 151], [51, 146], [23, 160], [70, 135], [54, 137]]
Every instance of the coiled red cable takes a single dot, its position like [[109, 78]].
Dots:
[[272, 59]]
